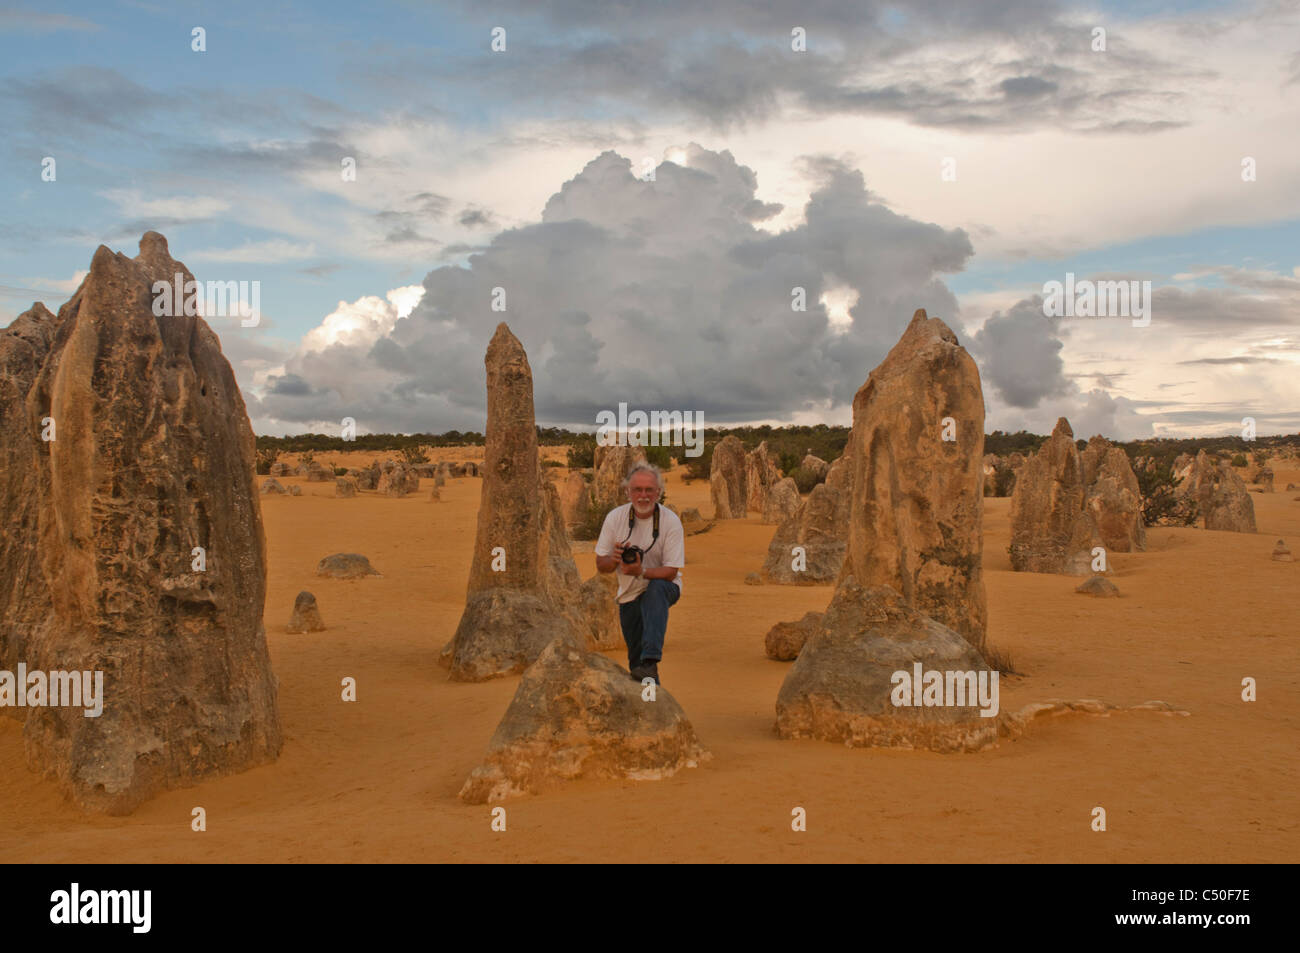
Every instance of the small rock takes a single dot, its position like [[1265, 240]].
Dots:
[[306, 616], [345, 488], [785, 639], [345, 566], [272, 485], [435, 496], [1098, 586], [295, 491], [1281, 553], [753, 579]]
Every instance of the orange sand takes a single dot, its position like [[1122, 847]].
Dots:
[[376, 780]]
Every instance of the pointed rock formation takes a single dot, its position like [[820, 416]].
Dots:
[[917, 498], [273, 487], [819, 528], [524, 590], [727, 474], [1067, 503], [761, 475], [1220, 494], [1047, 505], [1098, 586], [306, 615], [782, 501], [1113, 499], [151, 457], [578, 715]]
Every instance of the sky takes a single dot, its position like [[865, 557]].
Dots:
[[638, 190]]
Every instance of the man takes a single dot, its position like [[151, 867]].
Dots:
[[651, 582]]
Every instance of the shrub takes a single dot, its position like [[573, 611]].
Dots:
[[1239, 460], [699, 467], [552, 463], [306, 458], [265, 458], [340, 471], [805, 480], [414, 455], [590, 527], [659, 456], [788, 462], [582, 455], [1004, 481], [1160, 502]]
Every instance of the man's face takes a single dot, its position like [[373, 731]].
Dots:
[[643, 491]]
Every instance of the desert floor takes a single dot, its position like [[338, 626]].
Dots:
[[376, 780]]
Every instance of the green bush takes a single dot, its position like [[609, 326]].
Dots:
[[1160, 501], [414, 455], [788, 462], [340, 471], [805, 480], [552, 463], [582, 455], [1239, 460], [265, 458], [697, 468], [590, 527], [659, 456]]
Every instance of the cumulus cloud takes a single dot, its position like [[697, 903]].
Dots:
[[660, 293], [1019, 354]]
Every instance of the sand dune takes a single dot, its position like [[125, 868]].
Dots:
[[376, 780]]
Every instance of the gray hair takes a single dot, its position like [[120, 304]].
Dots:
[[644, 467]]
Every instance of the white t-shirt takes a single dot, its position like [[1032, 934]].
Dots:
[[668, 550]]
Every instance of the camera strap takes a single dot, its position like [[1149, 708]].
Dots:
[[631, 526]]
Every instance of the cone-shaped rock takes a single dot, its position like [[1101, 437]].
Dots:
[[578, 715], [306, 615], [524, 589], [808, 547], [151, 457], [727, 479], [1047, 505], [842, 686], [917, 498], [761, 475]]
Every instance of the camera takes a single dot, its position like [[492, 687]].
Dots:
[[631, 554]]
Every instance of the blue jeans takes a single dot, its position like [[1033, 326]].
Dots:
[[645, 621]]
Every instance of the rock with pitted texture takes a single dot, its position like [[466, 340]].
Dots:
[[1281, 553], [345, 566], [397, 479], [917, 505], [306, 615], [280, 469], [316, 473], [1098, 586], [841, 686], [1047, 513], [761, 475], [611, 466], [785, 640], [575, 499], [151, 457], [809, 545], [272, 486], [524, 590], [576, 715], [727, 480], [781, 501], [1113, 499], [818, 467], [345, 488]]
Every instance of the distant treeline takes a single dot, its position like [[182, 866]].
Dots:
[[789, 444]]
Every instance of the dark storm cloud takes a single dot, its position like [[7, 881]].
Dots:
[[1019, 354], [661, 294]]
